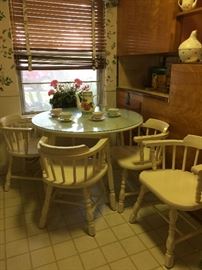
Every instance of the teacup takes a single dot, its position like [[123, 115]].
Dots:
[[97, 115], [56, 112], [66, 116], [113, 112]]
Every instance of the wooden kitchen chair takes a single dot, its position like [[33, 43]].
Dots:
[[21, 141], [137, 157], [70, 168], [178, 184]]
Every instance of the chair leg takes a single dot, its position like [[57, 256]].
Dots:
[[170, 243], [112, 197], [137, 204], [89, 212], [8, 175], [46, 205], [124, 176]]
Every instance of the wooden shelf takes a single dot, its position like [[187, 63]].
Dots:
[[191, 12], [148, 92]]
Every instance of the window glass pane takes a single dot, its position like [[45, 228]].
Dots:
[[36, 84]]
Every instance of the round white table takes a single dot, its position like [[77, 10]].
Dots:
[[82, 125]]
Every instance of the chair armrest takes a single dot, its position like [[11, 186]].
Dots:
[[170, 142], [197, 169], [101, 143], [139, 139], [17, 128]]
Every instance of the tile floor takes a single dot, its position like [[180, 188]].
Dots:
[[64, 245]]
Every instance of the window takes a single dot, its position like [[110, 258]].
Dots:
[[56, 39], [36, 84]]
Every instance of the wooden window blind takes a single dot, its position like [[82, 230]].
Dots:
[[62, 34]]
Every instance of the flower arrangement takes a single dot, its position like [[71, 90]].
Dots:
[[63, 95]]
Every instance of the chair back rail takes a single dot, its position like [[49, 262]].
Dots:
[[17, 132], [156, 125], [68, 164], [17, 139]]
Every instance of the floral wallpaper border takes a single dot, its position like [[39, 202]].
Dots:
[[111, 48], [8, 78]]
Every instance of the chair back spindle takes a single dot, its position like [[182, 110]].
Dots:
[[72, 164]]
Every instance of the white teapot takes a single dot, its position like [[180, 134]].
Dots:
[[186, 5]]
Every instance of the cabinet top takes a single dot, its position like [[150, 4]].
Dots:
[[190, 12]]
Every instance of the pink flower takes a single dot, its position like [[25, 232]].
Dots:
[[51, 92], [78, 83], [54, 83]]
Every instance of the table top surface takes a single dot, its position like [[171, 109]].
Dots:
[[83, 124]]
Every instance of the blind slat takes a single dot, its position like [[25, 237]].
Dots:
[[58, 26]]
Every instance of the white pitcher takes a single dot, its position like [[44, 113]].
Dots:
[[85, 101], [186, 5]]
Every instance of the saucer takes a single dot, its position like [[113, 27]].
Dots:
[[97, 119], [64, 120], [117, 115]]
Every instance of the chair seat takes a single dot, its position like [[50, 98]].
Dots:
[[68, 170], [174, 187], [128, 157]]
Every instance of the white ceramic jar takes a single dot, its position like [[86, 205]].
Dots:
[[190, 50]]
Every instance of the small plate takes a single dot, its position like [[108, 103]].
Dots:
[[96, 119], [112, 116], [64, 120]]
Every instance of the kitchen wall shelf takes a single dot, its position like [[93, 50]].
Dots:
[[191, 12], [148, 92]]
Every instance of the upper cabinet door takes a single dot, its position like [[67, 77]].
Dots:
[[146, 26]]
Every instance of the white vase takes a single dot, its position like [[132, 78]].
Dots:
[[190, 50]]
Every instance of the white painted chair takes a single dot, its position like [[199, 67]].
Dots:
[[137, 157], [73, 168], [178, 184], [21, 141]]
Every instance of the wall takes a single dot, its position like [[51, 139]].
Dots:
[[9, 91]]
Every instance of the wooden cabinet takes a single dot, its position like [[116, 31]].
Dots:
[[183, 111], [189, 21], [129, 99], [146, 27]]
